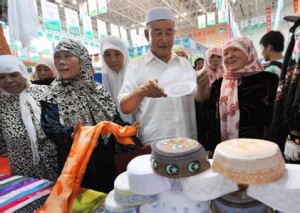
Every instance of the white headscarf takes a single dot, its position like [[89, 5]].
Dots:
[[113, 80], [46, 62], [11, 64]]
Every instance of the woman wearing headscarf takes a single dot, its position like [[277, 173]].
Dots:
[[114, 57], [45, 72], [214, 70], [241, 106], [74, 96], [29, 152], [241, 103], [213, 64]]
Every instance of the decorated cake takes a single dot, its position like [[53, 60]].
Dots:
[[249, 161], [179, 157], [124, 196]]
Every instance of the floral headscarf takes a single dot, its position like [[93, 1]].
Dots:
[[11, 64], [46, 62], [80, 97], [229, 103], [213, 74]]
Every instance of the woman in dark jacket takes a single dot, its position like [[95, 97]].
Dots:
[[241, 103], [74, 95]]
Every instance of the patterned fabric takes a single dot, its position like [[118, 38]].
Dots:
[[81, 97], [286, 117], [213, 74], [10, 64], [67, 186], [17, 192], [4, 49], [17, 141], [229, 103]]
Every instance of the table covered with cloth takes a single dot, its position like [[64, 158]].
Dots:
[[22, 194]]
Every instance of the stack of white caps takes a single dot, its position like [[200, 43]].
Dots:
[[207, 185], [143, 180], [124, 196]]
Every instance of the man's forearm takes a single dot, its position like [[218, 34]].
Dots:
[[129, 103]]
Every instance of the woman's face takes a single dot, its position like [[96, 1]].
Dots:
[[234, 59], [44, 72], [215, 61], [13, 83], [67, 64], [114, 59]]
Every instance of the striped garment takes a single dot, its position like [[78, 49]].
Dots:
[[18, 191]]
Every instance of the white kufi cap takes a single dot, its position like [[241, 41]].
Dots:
[[159, 13]]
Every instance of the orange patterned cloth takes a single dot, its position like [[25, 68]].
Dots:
[[4, 48], [67, 186]]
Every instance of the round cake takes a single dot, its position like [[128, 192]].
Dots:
[[249, 161], [179, 157]]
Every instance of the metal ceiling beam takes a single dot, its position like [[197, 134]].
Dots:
[[201, 6], [179, 13]]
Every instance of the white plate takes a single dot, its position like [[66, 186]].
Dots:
[[179, 88], [178, 80]]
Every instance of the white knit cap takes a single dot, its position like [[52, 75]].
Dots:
[[159, 13]]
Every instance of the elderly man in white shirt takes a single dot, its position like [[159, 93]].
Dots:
[[161, 116]]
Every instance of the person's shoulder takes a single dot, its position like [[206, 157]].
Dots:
[[262, 77], [265, 75]]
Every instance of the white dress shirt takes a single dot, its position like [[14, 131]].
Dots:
[[161, 118]]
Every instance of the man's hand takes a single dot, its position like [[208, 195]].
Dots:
[[151, 89]]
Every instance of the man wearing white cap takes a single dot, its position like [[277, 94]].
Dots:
[[161, 116]]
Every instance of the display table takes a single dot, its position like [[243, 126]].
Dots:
[[22, 194]]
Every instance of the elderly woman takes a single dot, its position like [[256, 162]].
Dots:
[[45, 72], [114, 57], [213, 64], [241, 106], [30, 153], [74, 96], [241, 103], [214, 70]]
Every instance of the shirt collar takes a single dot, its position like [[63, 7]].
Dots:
[[149, 56]]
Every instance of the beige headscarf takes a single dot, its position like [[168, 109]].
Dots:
[[47, 62]]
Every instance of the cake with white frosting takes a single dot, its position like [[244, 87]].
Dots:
[[179, 157], [249, 161]]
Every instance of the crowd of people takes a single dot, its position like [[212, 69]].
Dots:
[[235, 97]]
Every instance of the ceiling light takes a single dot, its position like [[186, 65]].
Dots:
[[184, 14], [58, 1], [61, 5], [74, 2], [133, 25]]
